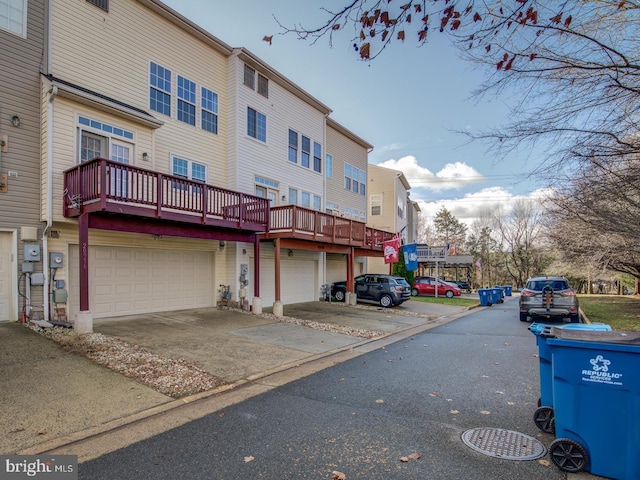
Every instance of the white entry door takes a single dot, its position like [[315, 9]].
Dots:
[[6, 278]]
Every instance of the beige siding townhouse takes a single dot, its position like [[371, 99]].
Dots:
[[22, 42], [136, 144], [389, 207], [175, 164]]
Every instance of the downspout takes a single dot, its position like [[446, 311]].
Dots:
[[49, 199]]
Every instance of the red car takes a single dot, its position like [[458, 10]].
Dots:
[[427, 286]]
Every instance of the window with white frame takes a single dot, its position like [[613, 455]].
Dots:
[[256, 125], [317, 157], [188, 169], [305, 200], [317, 203], [159, 89], [347, 176], [293, 146], [100, 139], [354, 179], [293, 196], [13, 16], [186, 101], [305, 151], [209, 104], [376, 204], [328, 165]]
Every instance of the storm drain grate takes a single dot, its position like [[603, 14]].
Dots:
[[505, 444]]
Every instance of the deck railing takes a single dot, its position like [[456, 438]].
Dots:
[[105, 185], [303, 223]]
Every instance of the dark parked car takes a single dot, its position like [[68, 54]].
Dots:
[[387, 290], [427, 286], [550, 298], [464, 286]]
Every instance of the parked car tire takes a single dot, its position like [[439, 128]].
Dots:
[[386, 301], [339, 295], [524, 317], [449, 294], [415, 292]]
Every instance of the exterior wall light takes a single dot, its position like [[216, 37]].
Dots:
[[15, 120]]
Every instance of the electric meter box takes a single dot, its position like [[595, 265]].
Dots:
[[55, 260], [32, 252]]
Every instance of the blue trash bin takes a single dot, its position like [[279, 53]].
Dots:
[[543, 417], [596, 395], [496, 295], [485, 297], [507, 290]]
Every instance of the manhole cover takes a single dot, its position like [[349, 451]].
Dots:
[[505, 444]]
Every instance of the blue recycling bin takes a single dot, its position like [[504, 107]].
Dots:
[[544, 415], [507, 290], [485, 297], [496, 295], [596, 397]]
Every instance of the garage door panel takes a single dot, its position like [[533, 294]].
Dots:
[[125, 281], [297, 280]]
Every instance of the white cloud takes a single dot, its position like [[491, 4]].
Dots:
[[452, 176], [470, 206]]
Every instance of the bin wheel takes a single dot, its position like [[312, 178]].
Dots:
[[568, 455], [524, 317], [544, 419]]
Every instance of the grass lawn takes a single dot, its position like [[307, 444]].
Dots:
[[455, 301], [622, 312]]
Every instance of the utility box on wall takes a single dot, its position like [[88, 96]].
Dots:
[[32, 252], [55, 260]]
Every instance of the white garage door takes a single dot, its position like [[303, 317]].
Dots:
[[298, 281], [127, 281]]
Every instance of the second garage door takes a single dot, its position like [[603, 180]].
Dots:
[[127, 281]]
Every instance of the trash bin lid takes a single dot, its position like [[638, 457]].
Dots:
[[626, 338], [540, 328]]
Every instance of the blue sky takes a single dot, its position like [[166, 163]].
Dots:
[[406, 103]]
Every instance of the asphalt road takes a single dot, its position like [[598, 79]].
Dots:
[[361, 417]]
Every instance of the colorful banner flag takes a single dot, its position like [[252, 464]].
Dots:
[[410, 256], [479, 265], [392, 250]]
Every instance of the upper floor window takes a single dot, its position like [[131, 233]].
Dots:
[[317, 157], [209, 110], [317, 203], [328, 165], [160, 89], [401, 207], [186, 101], [256, 125], [249, 76], [293, 146], [103, 4], [354, 179], [306, 151], [376, 204], [98, 139], [263, 86], [13, 16], [306, 200]]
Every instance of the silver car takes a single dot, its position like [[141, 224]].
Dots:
[[550, 298]]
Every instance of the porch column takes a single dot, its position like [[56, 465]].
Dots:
[[256, 307], [277, 305], [350, 298], [84, 320]]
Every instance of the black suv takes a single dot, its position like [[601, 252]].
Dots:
[[550, 298], [387, 290]]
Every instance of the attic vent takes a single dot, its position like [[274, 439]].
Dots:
[[103, 4]]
